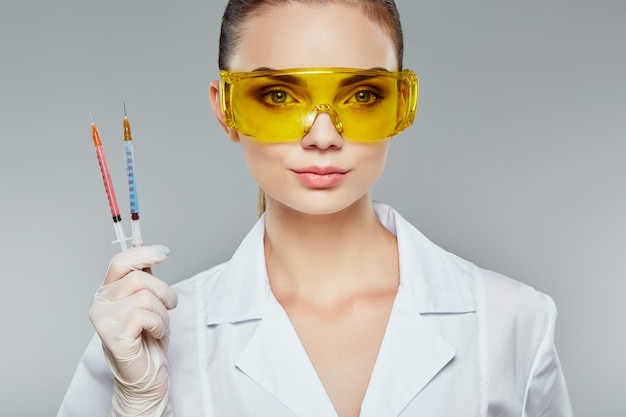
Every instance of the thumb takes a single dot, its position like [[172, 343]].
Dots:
[[135, 259]]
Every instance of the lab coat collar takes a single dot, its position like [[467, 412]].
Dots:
[[241, 289], [412, 352], [431, 279]]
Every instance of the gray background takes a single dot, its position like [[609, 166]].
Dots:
[[516, 162]]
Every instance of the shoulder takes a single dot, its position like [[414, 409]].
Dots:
[[445, 272], [515, 324], [442, 282], [509, 307], [516, 311], [502, 291], [513, 300]]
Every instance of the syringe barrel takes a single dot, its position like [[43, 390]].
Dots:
[[119, 234], [132, 180], [108, 184], [137, 239]]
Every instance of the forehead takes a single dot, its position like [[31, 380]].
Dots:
[[295, 35]]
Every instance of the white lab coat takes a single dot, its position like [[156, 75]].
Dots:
[[461, 341]]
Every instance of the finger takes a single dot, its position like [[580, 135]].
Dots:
[[134, 259], [107, 314], [145, 300], [143, 320], [165, 340], [160, 289], [135, 282]]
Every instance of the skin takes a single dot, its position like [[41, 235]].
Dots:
[[331, 265]]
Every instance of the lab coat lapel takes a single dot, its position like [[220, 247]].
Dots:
[[413, 352], [275, 359], [411, 355]]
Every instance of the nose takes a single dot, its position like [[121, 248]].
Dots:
[[324, 129]]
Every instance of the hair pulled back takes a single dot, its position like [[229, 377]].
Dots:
[[382, 12]]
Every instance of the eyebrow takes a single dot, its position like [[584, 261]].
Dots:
[[292, 79], [287, 78], [360, 77], [355, 79]]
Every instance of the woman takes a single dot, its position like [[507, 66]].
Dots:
[[333, 305]]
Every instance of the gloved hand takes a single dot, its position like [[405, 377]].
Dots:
[[130, 314]]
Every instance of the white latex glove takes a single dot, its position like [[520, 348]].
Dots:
[[130, 314]]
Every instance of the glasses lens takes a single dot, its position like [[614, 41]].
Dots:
[[278, 106]]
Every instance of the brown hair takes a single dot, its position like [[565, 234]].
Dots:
[[383, 12]]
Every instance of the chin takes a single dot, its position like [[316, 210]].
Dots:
[[322, 205]]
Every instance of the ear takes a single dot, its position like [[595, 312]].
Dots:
[[214, 98]]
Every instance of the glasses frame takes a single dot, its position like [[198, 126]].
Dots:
[[228, 80]]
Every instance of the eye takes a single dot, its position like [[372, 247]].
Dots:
[[364, 96], [276, 97]]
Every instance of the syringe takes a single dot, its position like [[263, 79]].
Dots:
[[132, 182], [108, 187]]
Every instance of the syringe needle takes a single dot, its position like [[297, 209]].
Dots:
[[108, 186], [132, 182]]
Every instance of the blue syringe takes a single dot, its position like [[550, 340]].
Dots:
[[132, 182]]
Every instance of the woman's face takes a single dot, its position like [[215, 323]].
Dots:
[[322, 173]]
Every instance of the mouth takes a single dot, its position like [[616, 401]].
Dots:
[[318, 170], [321, 177]]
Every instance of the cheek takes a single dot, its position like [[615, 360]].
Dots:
[[263, 160], [373, 158], [254, 160]]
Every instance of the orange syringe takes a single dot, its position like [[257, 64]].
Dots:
[[108, 187]]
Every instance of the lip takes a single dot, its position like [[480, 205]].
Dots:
[[320, 177], [319, 170]]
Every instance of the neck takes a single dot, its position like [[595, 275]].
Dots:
[[327, 256]]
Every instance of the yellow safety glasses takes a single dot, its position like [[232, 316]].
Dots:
[[281, 105]]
